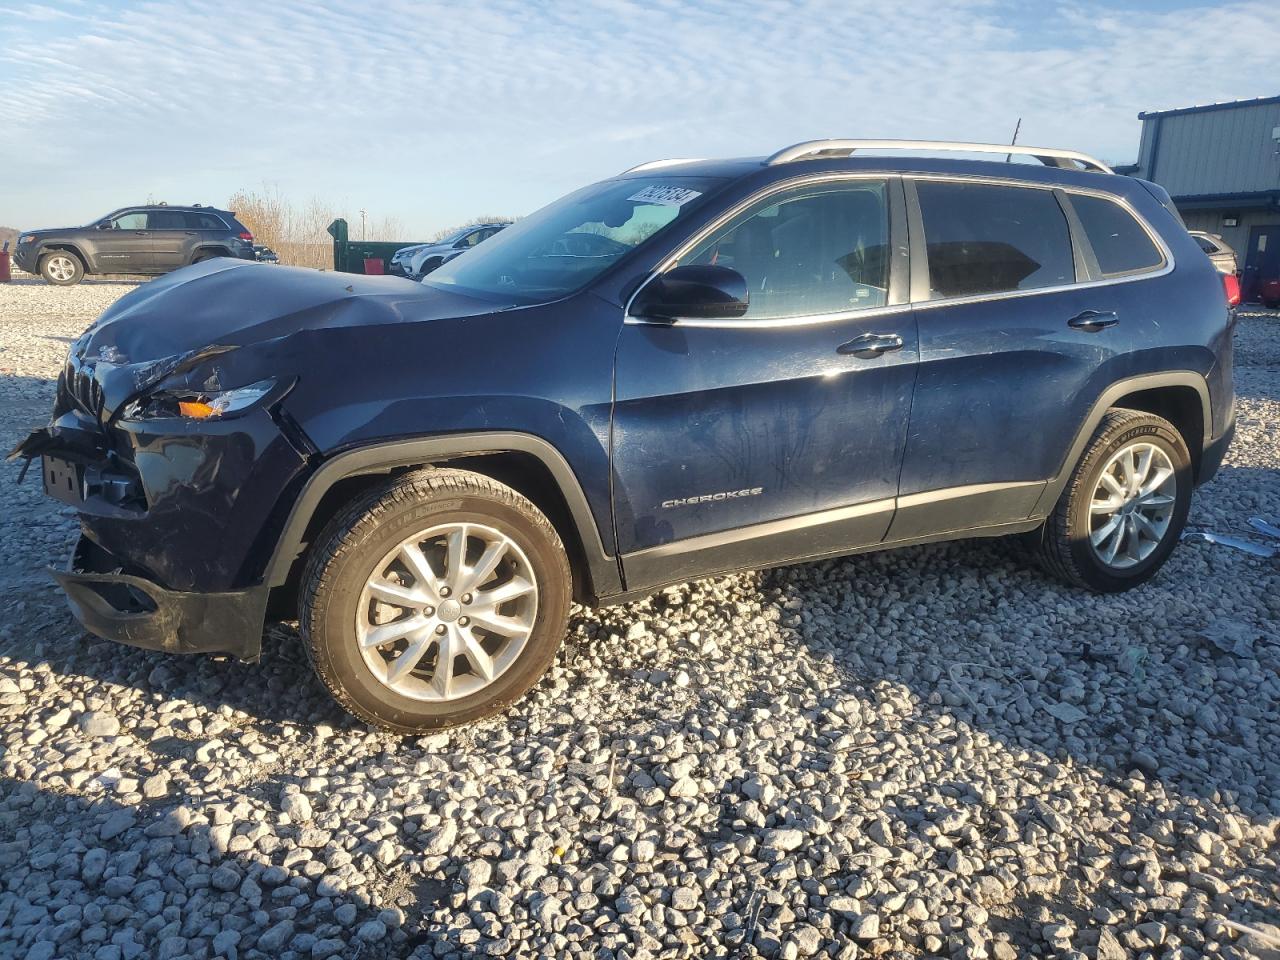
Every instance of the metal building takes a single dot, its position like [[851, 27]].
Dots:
[[1221, 164]]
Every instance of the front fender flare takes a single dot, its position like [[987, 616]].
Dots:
[[384, 457], [46, 247]]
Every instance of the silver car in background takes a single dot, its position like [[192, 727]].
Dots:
[[1220, 255], [417, 261]]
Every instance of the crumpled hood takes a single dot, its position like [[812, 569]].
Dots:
[[236, 302], [218, 306]]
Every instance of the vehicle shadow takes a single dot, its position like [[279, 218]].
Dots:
[[240, 894]]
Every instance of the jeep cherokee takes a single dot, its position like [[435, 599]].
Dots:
[[691, 368], [134, 240]]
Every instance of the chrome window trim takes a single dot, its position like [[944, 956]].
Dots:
[[772, 323], [1148, 274], [805, 320]]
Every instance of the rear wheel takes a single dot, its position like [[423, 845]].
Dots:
[[436, 600], [1125, 506], [61, 268]]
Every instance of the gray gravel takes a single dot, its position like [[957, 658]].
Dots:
[[927, 752]]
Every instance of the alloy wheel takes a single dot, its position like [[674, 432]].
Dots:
[[61, 268], [447, 611], [1132, 505]]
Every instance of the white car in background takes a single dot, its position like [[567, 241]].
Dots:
[[1220, 255], [417, 261]]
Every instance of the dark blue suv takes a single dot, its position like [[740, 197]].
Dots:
[[694, 367]]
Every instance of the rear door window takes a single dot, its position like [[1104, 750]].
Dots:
[[1120, 244], [165, 220], [988, 238]]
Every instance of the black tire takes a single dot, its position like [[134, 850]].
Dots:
[[62, 268], [1064, 544], [344, 557], [205, 255], [1271, 304], [431, 263]]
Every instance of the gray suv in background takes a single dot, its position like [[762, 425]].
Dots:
[[144, 240]]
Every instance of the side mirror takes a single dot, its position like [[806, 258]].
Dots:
[[105, 225], [693, 292]]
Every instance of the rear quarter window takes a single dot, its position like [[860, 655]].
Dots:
[[1121, 245], [204, 221]]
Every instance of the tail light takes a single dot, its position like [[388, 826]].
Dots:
[[1231, 287], [246, 236]]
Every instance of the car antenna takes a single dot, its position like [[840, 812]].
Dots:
[[1014, 142]]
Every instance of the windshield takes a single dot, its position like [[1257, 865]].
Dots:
[[569, 243]]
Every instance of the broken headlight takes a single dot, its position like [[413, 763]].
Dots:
[[199, 405]]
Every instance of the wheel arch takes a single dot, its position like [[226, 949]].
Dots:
[[212, 250], [1180, 396], [527, 464], [66, 247]]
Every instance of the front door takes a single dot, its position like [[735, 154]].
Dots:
[[1262, 261], [778, 435], [125, 246]]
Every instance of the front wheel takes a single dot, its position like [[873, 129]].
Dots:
[[61, 268], [435, 600], [1124, 507]]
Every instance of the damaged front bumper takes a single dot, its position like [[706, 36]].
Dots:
[[134, 610], [177, 522]]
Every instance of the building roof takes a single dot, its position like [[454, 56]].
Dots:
[[1205, 108]]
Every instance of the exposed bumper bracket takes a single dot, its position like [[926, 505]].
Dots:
[[130, 609]]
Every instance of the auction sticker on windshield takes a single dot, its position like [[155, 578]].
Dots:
[[666, 196]]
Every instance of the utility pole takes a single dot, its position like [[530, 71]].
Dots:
[[363, 224]]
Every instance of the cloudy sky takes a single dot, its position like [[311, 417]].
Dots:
[[435, 111]]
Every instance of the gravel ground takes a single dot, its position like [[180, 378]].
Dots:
[[926, 752]]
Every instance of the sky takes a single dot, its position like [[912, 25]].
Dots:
[[433, 113]]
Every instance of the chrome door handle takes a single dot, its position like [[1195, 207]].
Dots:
[[1094, 320], [871, 345]]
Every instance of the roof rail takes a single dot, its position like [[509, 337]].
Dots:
[[1049, 156], [655, 164]]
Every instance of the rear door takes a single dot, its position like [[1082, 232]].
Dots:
[[172, 239], [775, 436], [1021, 323]]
